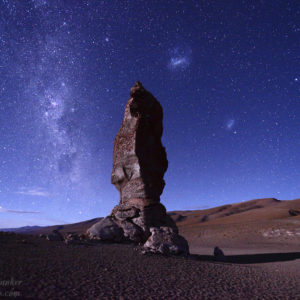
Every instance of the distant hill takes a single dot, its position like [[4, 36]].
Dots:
[[265, 222], [25, 229], [248, 211], [79, 227]]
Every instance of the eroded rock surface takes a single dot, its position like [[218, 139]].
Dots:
[[139, 159], [139, 164], [166, 240], [106, 230]]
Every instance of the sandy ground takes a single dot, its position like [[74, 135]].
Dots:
[[39, 269], [275, 236]]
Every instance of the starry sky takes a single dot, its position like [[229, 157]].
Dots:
[[226, 73]]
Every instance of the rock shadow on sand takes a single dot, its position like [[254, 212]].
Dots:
[[250, 258]]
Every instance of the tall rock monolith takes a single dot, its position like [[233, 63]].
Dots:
[[139, 164]]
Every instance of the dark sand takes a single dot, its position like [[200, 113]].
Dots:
[[53, 270]]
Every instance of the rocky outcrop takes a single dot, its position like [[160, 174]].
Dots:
[[54, 236], [73, 238], [139, 164], [294, 212], [139, 159]]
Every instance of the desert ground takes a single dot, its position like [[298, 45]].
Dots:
[[260, 240], [256, 226]]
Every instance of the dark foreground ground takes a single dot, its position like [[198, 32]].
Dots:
[[34, 268]]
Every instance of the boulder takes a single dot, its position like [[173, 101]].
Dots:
[[165, 240], [294, 212], [71, 238], [219, 254], [106, 230], [132, 232], [55, 236], [82, 237]]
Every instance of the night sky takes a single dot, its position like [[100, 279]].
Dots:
[[225, 72]]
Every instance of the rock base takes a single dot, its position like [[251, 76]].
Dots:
[[149, 225]]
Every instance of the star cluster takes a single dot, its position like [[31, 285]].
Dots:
[[226, 75]]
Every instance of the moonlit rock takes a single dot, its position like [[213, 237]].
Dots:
[[166, 240], [106, 230], [139, 164], [139, 159]]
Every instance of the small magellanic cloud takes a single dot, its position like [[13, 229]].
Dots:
[[229, 124]]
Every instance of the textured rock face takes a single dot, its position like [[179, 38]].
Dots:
[[139, 159], [107, 230], [165, 240], [139, 164]]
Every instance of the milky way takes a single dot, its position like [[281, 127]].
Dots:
[[227, 77]]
